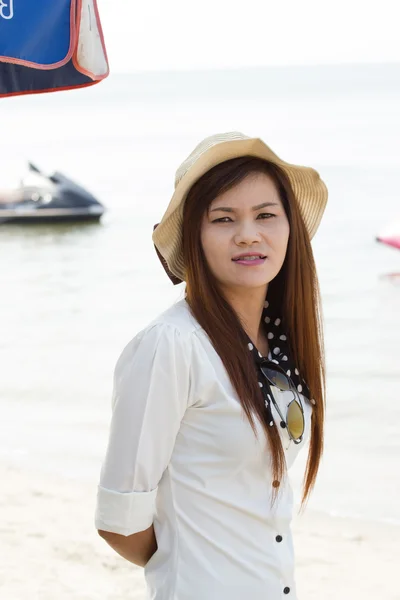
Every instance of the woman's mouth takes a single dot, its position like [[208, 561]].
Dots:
[[250, 262]]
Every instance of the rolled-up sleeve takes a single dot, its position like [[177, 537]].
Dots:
[[151, 392]]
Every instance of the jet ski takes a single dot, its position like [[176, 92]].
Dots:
[[48, 198], [390, 235]]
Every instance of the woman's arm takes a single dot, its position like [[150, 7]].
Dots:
[[138, 548], [151, 393]]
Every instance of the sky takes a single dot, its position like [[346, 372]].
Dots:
[[183, 34]]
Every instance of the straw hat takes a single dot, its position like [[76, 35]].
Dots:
[[309, 190]]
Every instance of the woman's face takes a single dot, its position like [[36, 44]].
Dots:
[[235, 223]]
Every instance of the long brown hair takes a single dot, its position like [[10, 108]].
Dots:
[[293, 294]]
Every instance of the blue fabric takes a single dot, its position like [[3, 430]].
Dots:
[[37, 31], [17, 79]]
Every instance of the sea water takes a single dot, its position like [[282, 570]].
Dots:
[[73, 295]]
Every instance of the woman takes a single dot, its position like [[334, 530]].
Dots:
[[214, 399]]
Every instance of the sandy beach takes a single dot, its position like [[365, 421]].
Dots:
[[50, 549]]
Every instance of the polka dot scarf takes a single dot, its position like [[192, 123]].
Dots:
[[280, 354]]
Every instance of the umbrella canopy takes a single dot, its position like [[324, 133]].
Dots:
[[50, 45]]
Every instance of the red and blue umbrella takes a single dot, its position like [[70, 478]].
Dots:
[[50, 45]]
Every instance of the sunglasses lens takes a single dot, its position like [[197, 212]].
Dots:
[[278, 379], [295, 420], [294, 417]]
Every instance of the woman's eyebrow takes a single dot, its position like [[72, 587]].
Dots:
[[228, 209]]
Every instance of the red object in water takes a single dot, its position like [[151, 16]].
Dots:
[[393, 241], [390, 235]]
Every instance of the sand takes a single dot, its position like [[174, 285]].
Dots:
[[50, 549]]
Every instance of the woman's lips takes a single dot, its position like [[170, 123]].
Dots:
[[250, 263]]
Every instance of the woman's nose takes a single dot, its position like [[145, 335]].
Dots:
[[247, 232]]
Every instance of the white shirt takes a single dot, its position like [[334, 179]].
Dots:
[[181, 454]]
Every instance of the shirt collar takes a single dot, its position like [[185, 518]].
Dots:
[[280, 353]]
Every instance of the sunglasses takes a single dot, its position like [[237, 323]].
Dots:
[[294, 421]]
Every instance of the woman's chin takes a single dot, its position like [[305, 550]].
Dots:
[[248, 281]]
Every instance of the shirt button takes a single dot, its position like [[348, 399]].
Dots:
[[279, 538], [276, 483], [286, 590]]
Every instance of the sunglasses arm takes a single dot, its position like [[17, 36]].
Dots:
[[272, 399]]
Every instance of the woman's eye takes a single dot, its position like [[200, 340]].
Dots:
[[267, 215], [221, 220]]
